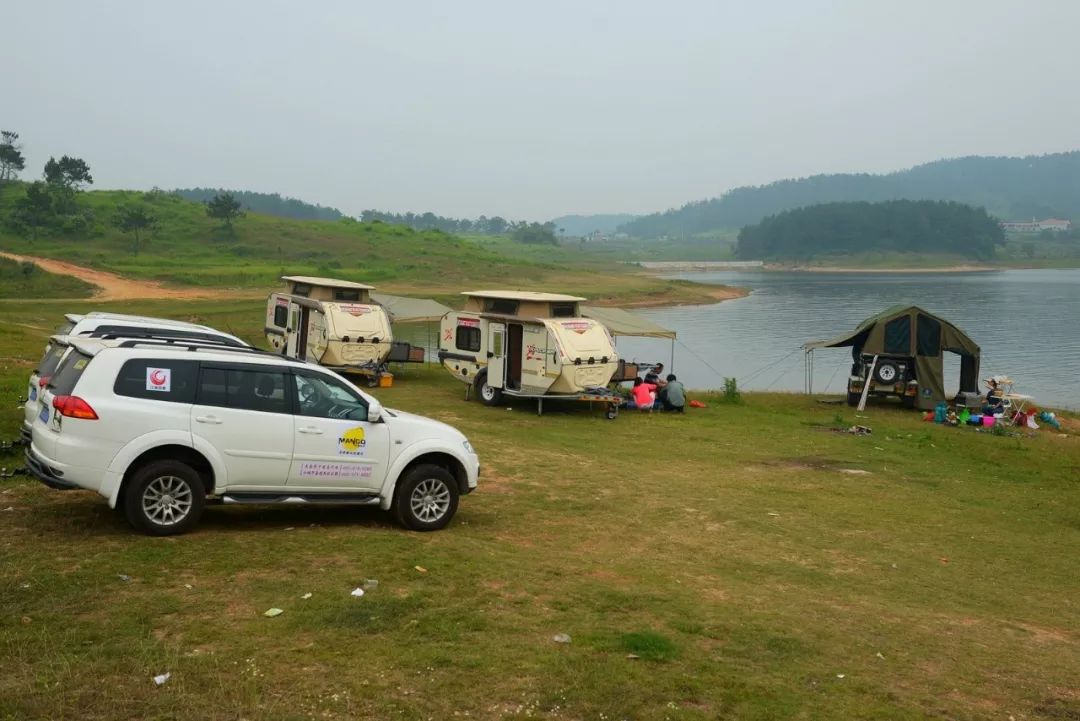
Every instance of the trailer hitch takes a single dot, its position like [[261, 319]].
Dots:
[[20, 471]]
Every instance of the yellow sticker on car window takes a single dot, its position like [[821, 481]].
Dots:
[[80, 364]]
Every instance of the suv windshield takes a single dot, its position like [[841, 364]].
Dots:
[[69, 372]]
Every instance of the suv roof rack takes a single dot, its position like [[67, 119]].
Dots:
[[196, 345], [162, 335]]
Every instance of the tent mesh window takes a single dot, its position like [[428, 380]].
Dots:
[[898, 335], [928, 341]]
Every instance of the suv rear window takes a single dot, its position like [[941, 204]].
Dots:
[[51, 359], [64, 328], [69, 372], [157, 379]]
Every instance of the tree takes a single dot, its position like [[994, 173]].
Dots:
[[538, 233], [11, 157], [68, 173], [136, 219], [35, 209], [224, 207]]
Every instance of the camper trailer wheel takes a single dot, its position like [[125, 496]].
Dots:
[[612, 412], [426, 498], [853, 399], [490, 396]]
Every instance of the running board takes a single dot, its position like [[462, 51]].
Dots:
[[351, 499]]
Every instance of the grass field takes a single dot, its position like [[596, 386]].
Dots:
[[741, 561], [26, 280]]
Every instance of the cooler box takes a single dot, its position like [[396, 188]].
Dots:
[[969, 399], [386, 380]]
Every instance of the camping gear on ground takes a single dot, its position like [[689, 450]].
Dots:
[[988, 421], [969, 399], [697, 404], [1050, 419], [941, 412], [965, 416], [914, 338]]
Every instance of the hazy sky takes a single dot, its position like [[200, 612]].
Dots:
[[531, 110]]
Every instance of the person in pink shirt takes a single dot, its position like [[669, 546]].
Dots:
[[644, 395]]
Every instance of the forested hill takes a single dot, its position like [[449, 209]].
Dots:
[[844, 229], [1009, 188], [580, 225], [266, 203]]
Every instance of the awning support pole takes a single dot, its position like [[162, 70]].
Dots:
[[672, 356], [866, 387]]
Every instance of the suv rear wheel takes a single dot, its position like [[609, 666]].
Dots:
[[164, 498], [426, 498]]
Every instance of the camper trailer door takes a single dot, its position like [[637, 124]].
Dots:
[[293, 333], [496, 354]]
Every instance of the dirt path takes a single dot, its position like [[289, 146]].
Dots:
[[111, 286]]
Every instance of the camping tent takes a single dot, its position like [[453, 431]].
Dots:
[[908, 330], [622, 322], [410, 310]]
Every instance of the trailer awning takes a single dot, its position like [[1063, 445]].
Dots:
[[403, 309], [622, 322]]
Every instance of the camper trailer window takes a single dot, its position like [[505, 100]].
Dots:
[[301, 289], [562, 310], [340, 294], [468, 338], [502, 306], [281, 316]]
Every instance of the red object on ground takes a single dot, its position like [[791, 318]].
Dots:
[[697, 404]]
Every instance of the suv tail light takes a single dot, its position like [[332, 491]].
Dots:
[[74, 407], [43, 380]]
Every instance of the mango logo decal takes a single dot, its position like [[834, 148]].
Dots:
[[352, 442]]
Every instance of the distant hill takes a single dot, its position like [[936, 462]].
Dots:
[[266, 203], [1009, 188], [581, 225], [897, 226]]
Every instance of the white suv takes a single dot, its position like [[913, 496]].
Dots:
[[102, 325], [159, 427]]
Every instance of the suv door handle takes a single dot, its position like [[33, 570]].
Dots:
[[310, 430], [212, 420]]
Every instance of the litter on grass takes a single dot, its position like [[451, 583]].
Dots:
[[158, 680], [123, 577], [270, 613], [358, 592], [370, 584], [561, 638], [306, 596], [421, 569]]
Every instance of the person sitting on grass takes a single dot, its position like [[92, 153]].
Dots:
[[673, 395], [644, 394]]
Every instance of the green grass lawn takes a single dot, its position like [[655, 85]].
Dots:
[[26, 280], [741, 561], [192, 249]]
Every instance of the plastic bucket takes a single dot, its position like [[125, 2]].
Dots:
[[988, 420]]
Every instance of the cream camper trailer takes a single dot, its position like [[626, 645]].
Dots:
[[529, 345], [335, 323]]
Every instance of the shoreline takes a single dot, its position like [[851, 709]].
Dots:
[[961, 268]]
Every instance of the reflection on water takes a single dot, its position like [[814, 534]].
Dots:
[[1026, 321]]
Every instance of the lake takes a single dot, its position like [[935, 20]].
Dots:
[[1026, 321]]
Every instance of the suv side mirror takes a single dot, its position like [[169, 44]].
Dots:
[[374, 411]]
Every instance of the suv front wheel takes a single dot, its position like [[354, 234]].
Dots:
[[426, 498], [164, 498]]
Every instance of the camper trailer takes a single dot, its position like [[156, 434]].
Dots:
[[331, 322], [530, 345]]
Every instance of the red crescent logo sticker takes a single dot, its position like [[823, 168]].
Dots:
[[157, 378]]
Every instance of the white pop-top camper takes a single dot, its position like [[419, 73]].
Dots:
[[332, 322], [525, 343]]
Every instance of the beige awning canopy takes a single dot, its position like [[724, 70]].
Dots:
[[403, 309], [622, 322]]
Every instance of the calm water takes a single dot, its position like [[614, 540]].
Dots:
[[1026, 321]]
